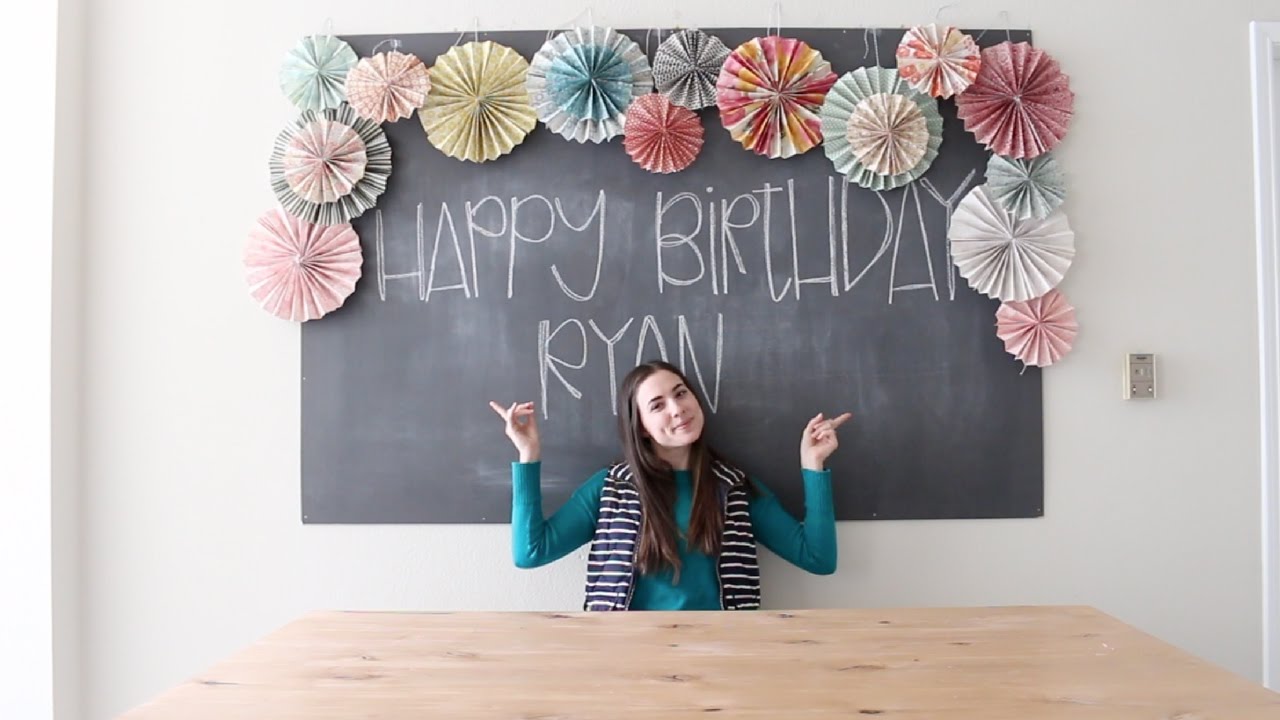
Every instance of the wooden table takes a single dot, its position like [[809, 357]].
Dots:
[[1026, 663]]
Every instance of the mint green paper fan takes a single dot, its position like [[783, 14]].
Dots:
[[315, 71], [1027, 188], [868, 92]]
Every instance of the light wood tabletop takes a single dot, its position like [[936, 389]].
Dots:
[[1015, 663]]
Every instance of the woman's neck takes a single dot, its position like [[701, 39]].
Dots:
[[677, 458]]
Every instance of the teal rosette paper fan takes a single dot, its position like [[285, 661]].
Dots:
[[583, 80], [879, 131], [1026, 188], [314, 73]]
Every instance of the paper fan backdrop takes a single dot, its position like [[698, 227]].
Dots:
[[685, 68], [478, 108], [1038, 331], [938, 61], [662, 137], [1004, 257], [1026, 188], [1020, 104], [769, 92], [878, 131], [388, 86], [300, 271], [582, 80], [315, 70], [364, 190]]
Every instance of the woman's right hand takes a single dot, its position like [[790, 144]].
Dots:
[[522, 428]]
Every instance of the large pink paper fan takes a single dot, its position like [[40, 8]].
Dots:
[[300, 271], [1020, 104], [661, 137], [1038, 331]]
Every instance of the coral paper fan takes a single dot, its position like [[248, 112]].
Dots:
[[938, 61], [388, 86], [769, 93], [1020, 104], [478, 108], [662, 137], [685, 68], [1038, 331], [299, 271]]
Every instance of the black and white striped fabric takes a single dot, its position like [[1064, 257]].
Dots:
[[611, 556]]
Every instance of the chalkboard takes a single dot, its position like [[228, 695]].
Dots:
[[781, 289]]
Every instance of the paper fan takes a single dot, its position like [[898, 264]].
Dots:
[[685, 68], [324, 160], [1020, 104], [365, 190], [478, 108], [879, 131], [662, 137], [1004, 257], [769, 92], [387, 86], [938, 61], [582, 81], [299, 271], [1026, 188], [1038, 331], [314, 71]]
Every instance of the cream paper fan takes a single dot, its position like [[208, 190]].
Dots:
[[477, 108], [1004, 257]]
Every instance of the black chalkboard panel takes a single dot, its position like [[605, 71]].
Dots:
[[782, 290]]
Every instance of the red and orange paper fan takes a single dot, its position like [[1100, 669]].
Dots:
[[769, 92], [662, 137], [1020, 104], [1039, 331]]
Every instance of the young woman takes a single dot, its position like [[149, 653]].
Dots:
[[673, 526]]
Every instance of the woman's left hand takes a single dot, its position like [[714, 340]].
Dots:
[[819, 440]]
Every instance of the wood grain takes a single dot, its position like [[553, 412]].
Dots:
[[1018, 663]]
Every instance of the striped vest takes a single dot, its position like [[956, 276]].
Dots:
[[611, 558]]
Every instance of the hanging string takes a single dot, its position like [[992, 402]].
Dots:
[[475, 28], [1007, 35], [395, 45], [937, 17], [775, 20], [328, 27], [654, 31]]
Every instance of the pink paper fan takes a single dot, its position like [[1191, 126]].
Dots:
[[769, 92], [1037, 331], [1020, 104], [938, 61], [324, 160], [660, 136], [299, 271], [387, 86]]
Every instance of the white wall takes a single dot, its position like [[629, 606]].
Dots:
[[26, 508], [192, 544]]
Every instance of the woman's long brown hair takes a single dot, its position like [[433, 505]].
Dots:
[[656, 546]]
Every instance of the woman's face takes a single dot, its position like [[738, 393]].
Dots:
[[668, 410]]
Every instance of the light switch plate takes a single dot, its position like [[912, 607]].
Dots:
[[1140, 376]]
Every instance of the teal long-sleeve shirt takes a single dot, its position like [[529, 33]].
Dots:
[[537, 541]]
